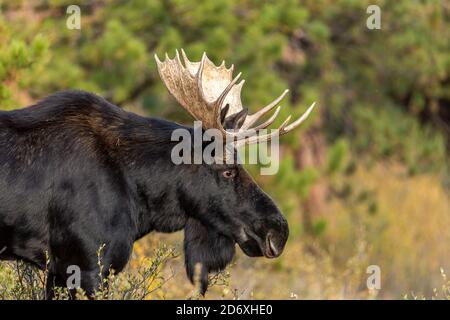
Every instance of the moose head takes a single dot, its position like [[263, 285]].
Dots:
[[227, 206]]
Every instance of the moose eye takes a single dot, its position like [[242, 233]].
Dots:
[[228, 174]]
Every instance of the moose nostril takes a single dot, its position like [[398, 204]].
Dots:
[[271, 246]]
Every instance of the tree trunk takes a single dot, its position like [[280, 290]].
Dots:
[[312, 154]]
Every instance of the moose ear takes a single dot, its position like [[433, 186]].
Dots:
[[206, 248], [223, 113], [235, 121]]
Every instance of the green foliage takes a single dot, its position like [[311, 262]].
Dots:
[[396, 134], [336, 156], [319, 227], [298, 182], [16, 56]]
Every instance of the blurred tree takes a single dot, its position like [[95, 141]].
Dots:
[[16, 56]]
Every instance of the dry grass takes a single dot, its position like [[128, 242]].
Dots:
[[407, 231]]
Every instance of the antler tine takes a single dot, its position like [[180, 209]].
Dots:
[[261, 138], [269, 121], [157, 59], [296, 123], [283, 129], [192, 67], [177, 57], [183, 54], [251, 119], [200, 76], [223, 95]]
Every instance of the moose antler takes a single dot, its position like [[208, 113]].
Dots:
[[205, 90]]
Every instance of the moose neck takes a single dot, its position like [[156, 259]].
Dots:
[[158, 204], [155, 179]]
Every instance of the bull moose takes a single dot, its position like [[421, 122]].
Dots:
[[77, 172]]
